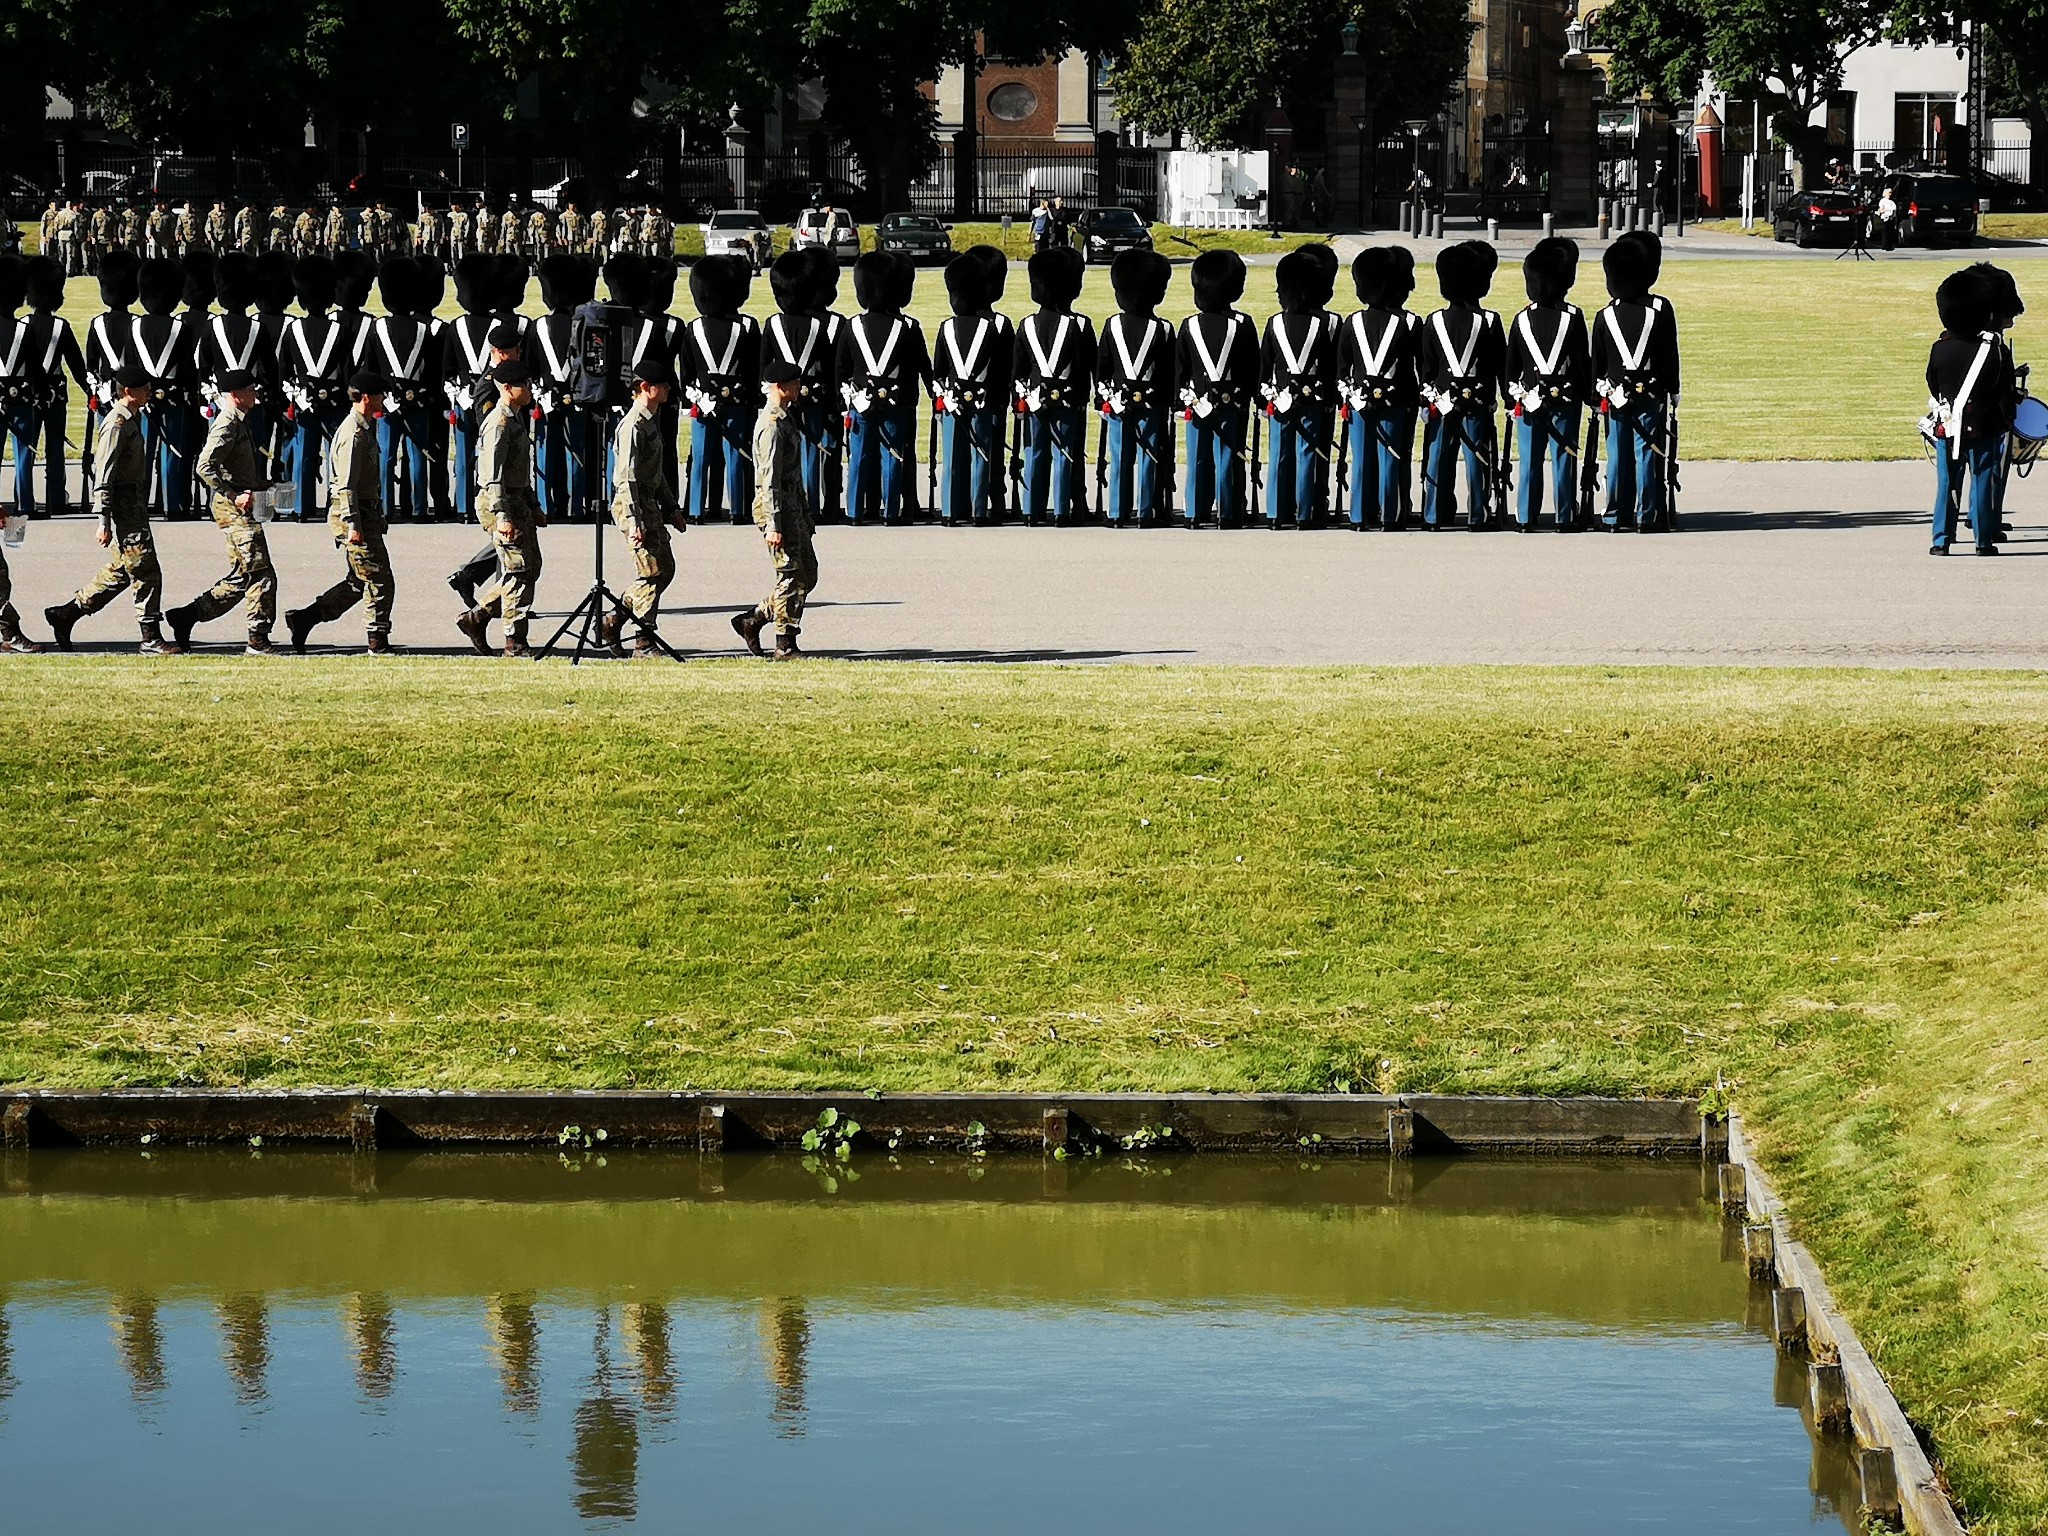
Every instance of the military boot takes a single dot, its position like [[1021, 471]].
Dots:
[[475, 624], [260, 644], [299, 623], [60, 621], [786, 646], [516, 648], [646, 647], [181, 621], [153, 641], [379, 643], [609, 628], [748, 627]]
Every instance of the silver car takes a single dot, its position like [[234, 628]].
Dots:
[[832, 228], [740, 232]]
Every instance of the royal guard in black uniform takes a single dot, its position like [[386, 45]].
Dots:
[[165, 342], [972, 355], [719, 362], [800, 336], [1218, 365], [1549, 383], [563, 460], [1973, 392], [1055, 367], [400, 347], [1135, 386], [881, 366], [314, 367], [1461, 351], [109, 338], [59, 362], [465, 359], [355, 275], [1298, 390], [20, 389], [268, 428], [823, 267], [1377, 385], [2006, 308], [1635, 372]]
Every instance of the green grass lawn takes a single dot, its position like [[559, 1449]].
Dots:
[[1821, 889], [1805, 360]]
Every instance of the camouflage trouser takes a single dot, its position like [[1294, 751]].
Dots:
[[250, 578], [134, 564], [655, 562], [368, 581], [6, 581], [511, 595], [796, 572]]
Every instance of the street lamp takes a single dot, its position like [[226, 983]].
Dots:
[[1349, 33], [1415, 127]]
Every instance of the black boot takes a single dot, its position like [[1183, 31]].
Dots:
[[60, 620], [516, 647], [786, 647], [181, 621], [608, 631], [748, 627], [260, 644], [475, 626], [299, 622]]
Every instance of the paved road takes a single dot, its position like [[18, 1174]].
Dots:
[[1780, 564]]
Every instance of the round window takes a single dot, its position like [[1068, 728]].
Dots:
[[1012, 102]]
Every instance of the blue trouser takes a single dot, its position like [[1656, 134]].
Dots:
[[1551, 433], [57, 489], [971, 443], [312, 426], [1055, 462], [881, 458], [1140, 447], [408, 429], [721, 474], [1297, 452], [1983, 460], [1462, 434], [1381, 444], [22, 427], [167, 438], [561, 459], [1216, 465], [464, 432], [816, 422], [1635, 465]]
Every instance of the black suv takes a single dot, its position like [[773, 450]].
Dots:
[[1936, 209], [1103, 232]]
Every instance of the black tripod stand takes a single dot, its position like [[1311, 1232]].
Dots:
[[587, 618], [1857, 249]]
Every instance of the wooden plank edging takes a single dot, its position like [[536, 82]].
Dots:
[[1874, 1413]]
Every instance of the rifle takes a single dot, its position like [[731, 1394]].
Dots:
[[931, 461], [1258, 464], [1504, 465], [1017, 507], [1589, 463], [1343, 462], [1671, 466], [1101, 461]]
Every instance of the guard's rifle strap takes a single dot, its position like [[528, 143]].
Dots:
[[1589, 461], [1343, 464], [931, 462], [1258, 461], [1671, 465], [1504, 464]]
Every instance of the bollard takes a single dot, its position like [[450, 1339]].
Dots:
[[1734, 1189], [1879, 1477], [1606, 215], [1436, 224], [1401, 1132], [1788, 1319], [1659, 224], [1549, 225], [1827, 1394], [1493, 231], [1760, 1250]]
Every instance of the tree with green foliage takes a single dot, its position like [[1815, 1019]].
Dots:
[[1211, 69], [1788, 54]]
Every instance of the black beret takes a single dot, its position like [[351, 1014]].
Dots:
[[369, 382], [507, 338], [132, 376], [654, 370], [236, 378], [511, 373], [780, 370]]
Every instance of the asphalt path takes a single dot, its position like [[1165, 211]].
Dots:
[[1776, 564]]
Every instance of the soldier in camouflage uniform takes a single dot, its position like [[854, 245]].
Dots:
[[600, 233], [245, 229], [189, 237], [227, 467], [355, 516], [157, 231], [217, 226], [782, 512], [120, 494], [509, 513], [645, 507]]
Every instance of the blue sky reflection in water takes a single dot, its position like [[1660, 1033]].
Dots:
[[213, 1343]]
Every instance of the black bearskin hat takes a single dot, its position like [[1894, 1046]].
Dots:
[[1966, 300], [1304, 283], [1056, 277], [789, 279], [199, 279], [823, 267], [355, 273], [874, 280], [119, 278], [234, 281], [161, 283], [661, 284], [1628, 271], [967, 285], [473, 278], [433, 284], [1465, 271], [718, 284], [626, 281], [1653, 254], [997, 264], [2006, 304], [1550, 269], [508, 284], [45, 284], [313, 277], [566, 282], [1140, 280], [398, 285], [274, 290], [1218, 280]]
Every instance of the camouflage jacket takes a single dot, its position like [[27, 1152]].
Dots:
[[780, 505]]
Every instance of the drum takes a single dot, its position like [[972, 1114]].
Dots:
[[2029, 432]]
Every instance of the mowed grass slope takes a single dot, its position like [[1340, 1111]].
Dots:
[[1805, 359]]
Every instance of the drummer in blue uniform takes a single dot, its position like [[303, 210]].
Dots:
[[1972, 397]]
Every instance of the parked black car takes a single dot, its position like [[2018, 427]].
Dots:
[[1936, 209], [919, 236], [1103, 232], [1827, 217]]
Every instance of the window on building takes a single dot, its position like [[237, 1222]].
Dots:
[[1918, 122], [1842, 120], [1012, 102]]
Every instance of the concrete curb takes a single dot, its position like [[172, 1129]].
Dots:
[[1397, 1124], [1846, 1390]]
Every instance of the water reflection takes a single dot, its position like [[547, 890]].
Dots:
[[140, 1340], [372, 1334], [785, 1344], [967, 1345]]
